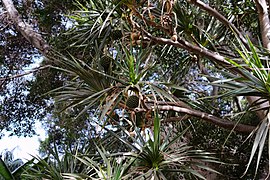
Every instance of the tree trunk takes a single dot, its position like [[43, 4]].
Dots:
[[25, 29]]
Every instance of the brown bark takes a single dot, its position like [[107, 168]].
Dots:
[[264, 22], [224, 123], [265, 35], [193, 49], [25, 29], [176, 119], [189, 47]]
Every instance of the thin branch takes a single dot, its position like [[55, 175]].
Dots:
[[189, 47], [220, 17], [25, 29], [180, 43], [26, 73]]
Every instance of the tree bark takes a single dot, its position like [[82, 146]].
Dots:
[[193, 49], [264, 22], [265, 35], [25, 29], [224, 123]]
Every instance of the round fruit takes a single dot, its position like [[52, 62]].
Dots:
[[105, 61], [132, 101]]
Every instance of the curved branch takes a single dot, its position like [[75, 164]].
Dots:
[[220, 17], [25, 29], [189, 47], [202, 115], [180, 43]]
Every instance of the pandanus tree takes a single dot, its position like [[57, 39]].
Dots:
[[125, 60]]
